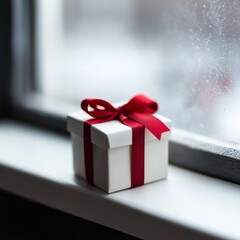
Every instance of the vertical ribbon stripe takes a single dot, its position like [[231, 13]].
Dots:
[[88, 154], [88, 149], [137, 153]]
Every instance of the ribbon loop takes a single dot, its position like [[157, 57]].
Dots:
[[144, 104], [101, 109]]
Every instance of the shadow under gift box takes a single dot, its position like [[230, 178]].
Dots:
[[112, 152]]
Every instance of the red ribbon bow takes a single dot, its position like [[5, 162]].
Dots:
[[137, 114]]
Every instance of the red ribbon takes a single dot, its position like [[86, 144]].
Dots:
[[137, 114]]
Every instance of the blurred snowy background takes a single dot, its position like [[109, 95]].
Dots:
[[183, 53]]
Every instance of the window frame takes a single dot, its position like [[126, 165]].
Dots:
[[5, 60], [187, 150], [23, 73]]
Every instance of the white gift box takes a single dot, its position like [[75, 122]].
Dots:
[[112, 152]]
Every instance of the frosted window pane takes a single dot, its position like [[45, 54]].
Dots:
[[183, 53]]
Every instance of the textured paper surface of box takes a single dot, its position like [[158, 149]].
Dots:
[[112, 152]]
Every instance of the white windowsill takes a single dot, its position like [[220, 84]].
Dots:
[[37, 165]]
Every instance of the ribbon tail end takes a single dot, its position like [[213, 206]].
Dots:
[[162, 130]]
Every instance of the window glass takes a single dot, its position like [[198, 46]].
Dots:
[[183, 53]]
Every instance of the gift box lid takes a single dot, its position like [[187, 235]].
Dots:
[[109, 134]]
